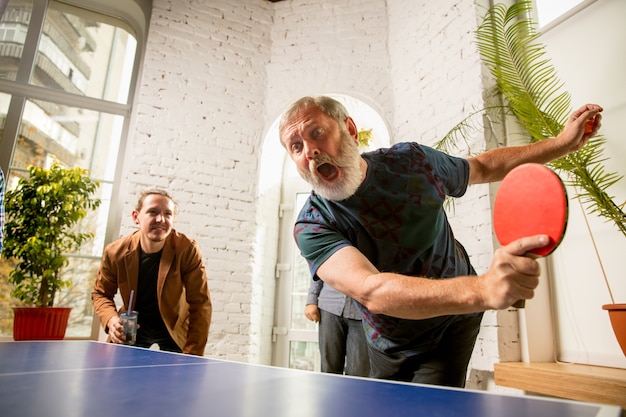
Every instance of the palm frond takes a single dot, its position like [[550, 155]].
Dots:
[[459, 133], [508, 46], [476, 121]]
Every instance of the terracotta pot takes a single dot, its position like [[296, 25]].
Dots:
[[40, 323], [617, 314]]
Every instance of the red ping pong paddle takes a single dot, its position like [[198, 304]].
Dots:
[[531, 200]]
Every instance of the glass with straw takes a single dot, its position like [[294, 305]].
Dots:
[[128, 319]]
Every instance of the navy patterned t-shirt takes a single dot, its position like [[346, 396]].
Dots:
[[396, 219]]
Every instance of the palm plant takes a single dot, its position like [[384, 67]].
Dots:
[[510, 49]]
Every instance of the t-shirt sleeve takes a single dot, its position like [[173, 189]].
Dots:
[[452, 170], [316, 237]]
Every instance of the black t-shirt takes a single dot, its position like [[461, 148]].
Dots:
[[147, 304], [397, 220]]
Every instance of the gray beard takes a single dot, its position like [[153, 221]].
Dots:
[[349, 161]]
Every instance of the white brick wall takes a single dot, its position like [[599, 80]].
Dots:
[[217, 74], [198, 126]]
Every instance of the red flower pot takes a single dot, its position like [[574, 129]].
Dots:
[[617, 314], [40, 323]]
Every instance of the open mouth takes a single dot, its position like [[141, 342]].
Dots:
[[328, 171]]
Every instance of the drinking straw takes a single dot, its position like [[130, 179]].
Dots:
[[130, 301]]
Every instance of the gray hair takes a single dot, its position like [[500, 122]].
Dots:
[[327, 105]]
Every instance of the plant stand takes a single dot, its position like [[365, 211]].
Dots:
[[40, 323]]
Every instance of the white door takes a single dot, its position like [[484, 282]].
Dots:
[[294, 337]]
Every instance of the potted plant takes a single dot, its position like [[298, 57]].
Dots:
[[42, 212], [530, 90]]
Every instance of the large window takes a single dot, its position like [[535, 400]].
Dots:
[[550, 11], [66, 78]]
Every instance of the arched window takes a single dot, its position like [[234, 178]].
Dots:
[[282, 191]]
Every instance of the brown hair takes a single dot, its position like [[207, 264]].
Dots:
[[154, 191]]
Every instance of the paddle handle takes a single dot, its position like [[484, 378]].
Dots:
[[520, 304]]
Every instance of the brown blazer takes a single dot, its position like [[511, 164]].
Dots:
[[182, 289]]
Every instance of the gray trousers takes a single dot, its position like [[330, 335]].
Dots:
[[343, 347]]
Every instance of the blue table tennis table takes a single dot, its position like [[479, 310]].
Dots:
[[95, 379]]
